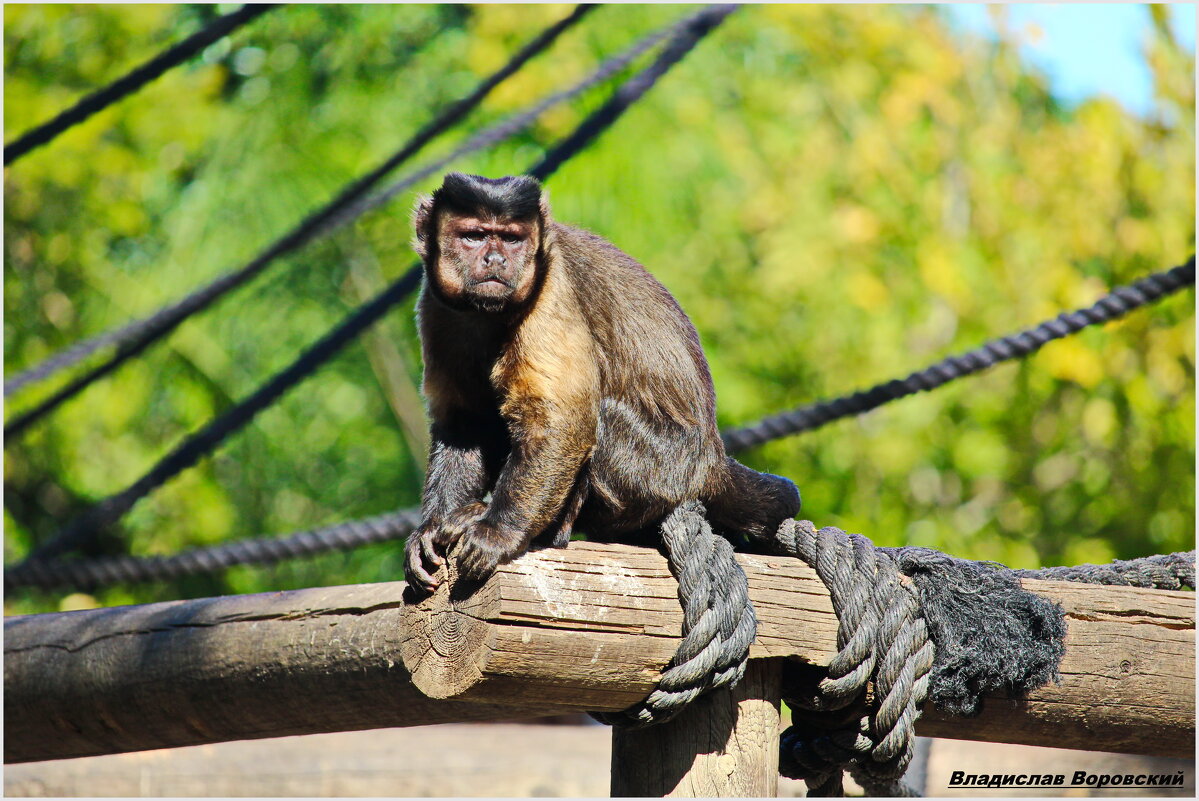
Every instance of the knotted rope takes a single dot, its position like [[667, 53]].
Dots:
[[718, 620], [882, 639], [914, 625]]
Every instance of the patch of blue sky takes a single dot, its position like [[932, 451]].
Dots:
[[1086, 49]]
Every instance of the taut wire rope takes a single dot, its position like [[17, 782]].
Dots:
[[133, 80], [684, 36], [132, 338]]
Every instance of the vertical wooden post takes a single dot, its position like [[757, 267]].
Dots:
[[725, 744]]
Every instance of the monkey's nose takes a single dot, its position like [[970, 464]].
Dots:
[[494, 259]]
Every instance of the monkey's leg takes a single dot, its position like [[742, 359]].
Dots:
[[463, 460], [559, 533], [530, 493], [751, 502]]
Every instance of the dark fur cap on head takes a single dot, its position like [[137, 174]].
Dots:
[[516, 196]]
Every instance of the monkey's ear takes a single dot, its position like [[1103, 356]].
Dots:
[[422, 218], [547, 249]]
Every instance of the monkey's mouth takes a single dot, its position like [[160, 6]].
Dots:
[[492, 286]]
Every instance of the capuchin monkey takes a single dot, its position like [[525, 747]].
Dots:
[[562, 378]]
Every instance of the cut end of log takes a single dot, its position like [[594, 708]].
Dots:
[[444, 636]]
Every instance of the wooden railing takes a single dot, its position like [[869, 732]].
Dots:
[[583, 628]]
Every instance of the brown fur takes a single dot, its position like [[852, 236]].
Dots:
[[585, 401]]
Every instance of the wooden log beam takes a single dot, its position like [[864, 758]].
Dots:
[[724, 745], [593, 624], [584, 628], [133, 678]]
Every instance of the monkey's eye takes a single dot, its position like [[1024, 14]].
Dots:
[[510, 238], [473, 236]]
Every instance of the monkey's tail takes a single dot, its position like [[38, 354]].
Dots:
[[752, 503]]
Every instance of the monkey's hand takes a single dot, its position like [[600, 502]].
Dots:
[[427, 546], [485, 546], [421, 559]]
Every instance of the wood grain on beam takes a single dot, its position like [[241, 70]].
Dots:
[[594, 623], [584, 628]]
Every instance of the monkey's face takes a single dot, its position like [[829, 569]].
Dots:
[[486, 263]]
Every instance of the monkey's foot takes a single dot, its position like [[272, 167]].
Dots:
[[485, 547], [458, 524]]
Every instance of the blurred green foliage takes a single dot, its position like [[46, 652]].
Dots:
[[837, 195]]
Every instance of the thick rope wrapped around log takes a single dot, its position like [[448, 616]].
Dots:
[[718, 620], [915, 624], [882, 639]]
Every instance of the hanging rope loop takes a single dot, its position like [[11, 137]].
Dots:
[[718, 620]]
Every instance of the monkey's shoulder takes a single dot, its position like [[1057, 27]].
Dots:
[[612, 285], [594, 256], [650, 354]]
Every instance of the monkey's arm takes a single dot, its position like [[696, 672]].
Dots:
[[457, 471], [464, 456], [532, 489]]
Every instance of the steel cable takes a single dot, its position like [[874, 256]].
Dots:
[[1178, 277], [133, 80], [135, 337], [685, 35]]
